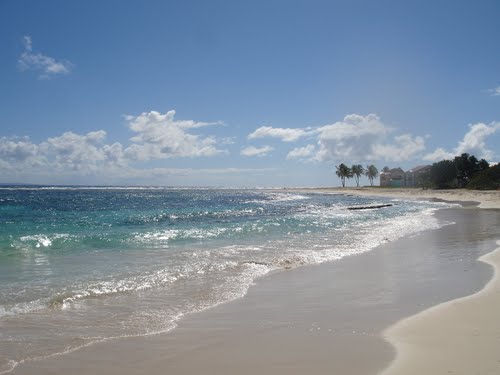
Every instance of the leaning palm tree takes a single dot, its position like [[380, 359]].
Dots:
[[371, 172], [357, 171], [343, 172]]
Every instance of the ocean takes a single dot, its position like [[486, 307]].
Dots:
[[79, 265]]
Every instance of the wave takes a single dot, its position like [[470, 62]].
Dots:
[[270, 197], [146, 290], [195, 216]]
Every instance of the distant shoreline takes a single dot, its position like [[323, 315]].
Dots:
[[484, 198]]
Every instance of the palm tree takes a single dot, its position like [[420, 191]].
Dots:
[[357, 171], [343, 172], [371, 172]]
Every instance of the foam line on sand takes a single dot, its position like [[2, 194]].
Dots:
[[461, 336]]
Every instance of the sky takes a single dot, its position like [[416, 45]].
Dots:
[[243, 93]]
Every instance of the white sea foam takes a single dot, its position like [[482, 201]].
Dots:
[[212, 268], [43, 240], [277, 197]]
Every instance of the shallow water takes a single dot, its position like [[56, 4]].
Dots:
[[82, 265]]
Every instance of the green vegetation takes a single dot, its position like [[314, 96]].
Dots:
[[487, 179], [464, 171], [343, 172], [467, 166], [371, 172], [443, 175], [357, 171]]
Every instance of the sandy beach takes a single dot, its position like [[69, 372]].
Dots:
[[344, 317], [461, 336], [458, 337]]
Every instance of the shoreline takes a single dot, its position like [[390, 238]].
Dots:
[[461, 336], [313, 318], [486, 199]]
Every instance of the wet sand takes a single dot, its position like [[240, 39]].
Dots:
[[324, 319], [458, 337]]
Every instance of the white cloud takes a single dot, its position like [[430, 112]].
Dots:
[[360, 138], [157, 137], [474, 143], [301, 152], [356, 138], [285, 134], [351, 139], [47, 66], [255, 151], [495, 91], [83, 153], [69, 152], [474, 140], [439, 154], [404, 147], [160, 136], [19, 152]]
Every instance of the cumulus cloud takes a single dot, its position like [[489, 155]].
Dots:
[[473, 142], [439, 154], [15, 152], [404, 147], [256, 151], [160, 136], [359, 138], [68, 153], [352, 138], [46, 66], [83, 153], [301, 152], [285, 134], [157, 136]]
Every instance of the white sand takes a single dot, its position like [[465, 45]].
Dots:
[[457, 337]]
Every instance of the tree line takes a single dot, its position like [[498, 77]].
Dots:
[[464, 171], [356, 171]]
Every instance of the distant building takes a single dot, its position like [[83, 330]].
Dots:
[[415, 176], [396, 177], [393, 177]]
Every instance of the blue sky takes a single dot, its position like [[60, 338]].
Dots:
[[243, 93]]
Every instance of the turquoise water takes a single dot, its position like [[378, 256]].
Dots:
[[81, 265]]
